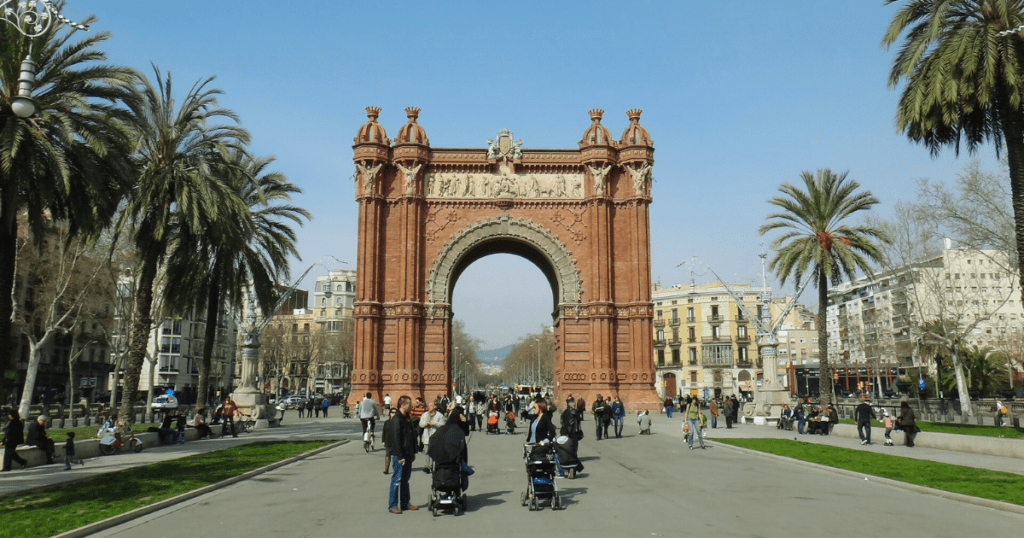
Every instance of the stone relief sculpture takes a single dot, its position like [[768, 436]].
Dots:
[[369, 176], [410, 176], [467, 185], [599, 176], [639, 176]]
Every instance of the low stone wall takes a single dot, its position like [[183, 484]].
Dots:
[[993, 446], [90, 448]]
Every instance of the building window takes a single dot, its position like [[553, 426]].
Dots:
[[675, 356], [742, 331], [675, 315], [689, 314], [693, 376], [693, 355], [661, 357]]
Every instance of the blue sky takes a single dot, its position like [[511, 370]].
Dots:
[[739, 96]]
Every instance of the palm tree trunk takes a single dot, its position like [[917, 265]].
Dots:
[[1013, 135], [139, 335], [824, 368], [212, 313]]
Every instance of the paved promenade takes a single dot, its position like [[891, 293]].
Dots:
[[634, 486]]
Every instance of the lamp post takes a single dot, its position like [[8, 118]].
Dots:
[[537, 378], [32, 18], [455, 371], [251, 330]]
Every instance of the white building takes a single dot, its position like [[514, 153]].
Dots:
[[877, 319]]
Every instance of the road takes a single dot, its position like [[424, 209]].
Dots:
[[634, 486]]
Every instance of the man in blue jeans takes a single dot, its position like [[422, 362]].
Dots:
[[618, 415], [402, 447]]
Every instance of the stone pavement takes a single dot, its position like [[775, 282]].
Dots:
[[634, 486]]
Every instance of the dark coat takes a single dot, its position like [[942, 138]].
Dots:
[[36, 434], [14, 433], [545, 430], [401, 438]]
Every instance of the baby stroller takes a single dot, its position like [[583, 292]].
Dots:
[[492, 422], [449, 474], [540, 476], [567, 448], [510, 423]]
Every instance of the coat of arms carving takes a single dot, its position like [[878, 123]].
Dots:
[[504, 147]]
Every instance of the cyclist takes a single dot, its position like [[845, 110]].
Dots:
[[368, 413]]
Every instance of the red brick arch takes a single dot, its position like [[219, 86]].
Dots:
[[580, 215]]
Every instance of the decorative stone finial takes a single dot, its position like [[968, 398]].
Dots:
[[372, 112], [634, 114], [412, 112], [595, 114]]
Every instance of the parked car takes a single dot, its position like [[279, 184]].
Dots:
[[165, 403], [294, 401]]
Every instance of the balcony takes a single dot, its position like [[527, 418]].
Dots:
[[675, 342], [674, 322], [692, 339], [716, 340], [691, 319], [659, 343], [744, 364], [743, 339], [659, 322], [716, 318], [741, 319]]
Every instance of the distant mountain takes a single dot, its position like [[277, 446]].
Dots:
[[494, 356]]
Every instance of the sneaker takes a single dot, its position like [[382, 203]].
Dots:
[[864, 442]]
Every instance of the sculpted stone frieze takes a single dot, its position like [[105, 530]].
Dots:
[[476, 185]]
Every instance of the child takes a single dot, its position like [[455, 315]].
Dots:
[[887, 420], [69, 452]]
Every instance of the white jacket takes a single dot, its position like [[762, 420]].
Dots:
[[437, 420]]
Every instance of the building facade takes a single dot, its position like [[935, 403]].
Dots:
[[333, 300], [703, 344], [878, 319]]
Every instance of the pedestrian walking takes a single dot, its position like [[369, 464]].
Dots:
[[600, 409], [69, 452], [618, 416], [402, 448], [728, 409], [713, 410], [669, 406], [14, 435], [694, 418], [310, 404], [863, 415], [887, 421], [384, 436], [326, 403], [301, 406], [907, 424]]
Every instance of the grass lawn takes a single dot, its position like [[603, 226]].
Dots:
[[70, 506], [1008, 432], [996, 485]]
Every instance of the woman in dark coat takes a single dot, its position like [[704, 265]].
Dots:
[[14, 435], [908, 423], [540, 427]]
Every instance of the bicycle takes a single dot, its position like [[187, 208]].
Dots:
[[246, 423], [112, 444], [368, 427]]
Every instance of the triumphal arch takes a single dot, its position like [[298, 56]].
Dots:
[[580, 215]]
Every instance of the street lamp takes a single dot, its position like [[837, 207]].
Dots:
[[32, 19], [537, 378], [455, 371]]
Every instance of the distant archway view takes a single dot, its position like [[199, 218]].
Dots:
[[580, 215]]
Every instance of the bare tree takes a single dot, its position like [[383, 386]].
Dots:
[[950, 294], [54, 284]]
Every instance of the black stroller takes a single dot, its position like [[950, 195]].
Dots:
[[447, 451], [540, 476], [567, 448]]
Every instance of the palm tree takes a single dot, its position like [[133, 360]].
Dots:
[[70, 159], [815, 238], [252, 247], [178, 190], [961, 62]]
